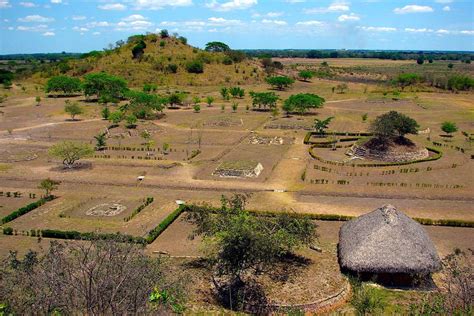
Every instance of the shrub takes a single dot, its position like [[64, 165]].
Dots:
[[155, 232], [25, 209], [7, 231], [195, 67]]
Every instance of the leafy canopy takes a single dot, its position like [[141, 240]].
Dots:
[[217, 47], [104, 84], [302, 102], [264, 100], [65, 84], [393, 124], [280, 82], [70, 152], [449, 127]]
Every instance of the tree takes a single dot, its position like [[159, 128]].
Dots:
[[209, 100], [100, 141], [143, 105], [235, 105], [164, 34], [280, 82], [195, 67], [264, 100], [97, 277], [38, 100], [73, 109], [393, 124], [174, 98], [103, 84], [70, 152], [138, 50], [321, 125], [305, 75], [341, 87], [48, 186], [196, 100], [302, 102], [408, 79], [240, 245], [116, 117], [224, 93], [65, 84], [237, 92], [105, 113], [131, 121], [420, 60], [197, 108], [450, 65], [216, 47], [449, 127]]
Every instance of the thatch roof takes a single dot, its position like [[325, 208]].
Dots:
[[386, 241]]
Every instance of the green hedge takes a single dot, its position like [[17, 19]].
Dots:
[[147, 202], [155, 232], [75, 235], [25, 209]]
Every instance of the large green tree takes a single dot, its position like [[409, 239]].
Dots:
[[280, 82], [217, 47], [64, 85], [144, 105], [264, 100], [70, 152], [240, 244], [102, 84], [393, 124], [302, 102]]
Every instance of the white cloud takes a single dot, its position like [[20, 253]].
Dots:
[[310, 23], [276, 22], [423, 30], [35, 18], [159, 4], [213, 21], [96, 33], [56, 1], [295, 1], [97, 24], [231, 5], [413, 8], [332, 8], [4, 4], [134, 17], [442, 32], [49, 34], [444, 1], [78, 17], [36, 28], [28, 4], [80, 29], [112, 6], [467, 32], [377, 28], [350, 17], [447, 8]]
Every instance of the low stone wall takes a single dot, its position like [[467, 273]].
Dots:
[[371, 154]]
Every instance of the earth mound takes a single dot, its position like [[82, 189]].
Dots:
[[395, 150]]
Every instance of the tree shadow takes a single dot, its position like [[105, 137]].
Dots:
[[289, 266]]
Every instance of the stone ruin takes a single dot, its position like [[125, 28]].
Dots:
[[387, 156], [255, 139], [239, 169], [106, 209]]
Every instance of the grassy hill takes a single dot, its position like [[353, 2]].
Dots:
[[156, 64]]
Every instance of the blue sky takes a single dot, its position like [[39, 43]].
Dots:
[[31, 26]]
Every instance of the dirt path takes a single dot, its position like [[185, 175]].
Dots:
[[49, 124]]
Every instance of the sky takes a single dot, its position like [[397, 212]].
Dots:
[[40, 26]]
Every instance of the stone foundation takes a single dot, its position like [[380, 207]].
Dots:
[[388, 156]]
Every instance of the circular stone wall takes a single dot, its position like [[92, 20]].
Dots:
[[106, 209], [390, 155]]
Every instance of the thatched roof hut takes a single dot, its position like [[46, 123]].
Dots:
[[386, 241]]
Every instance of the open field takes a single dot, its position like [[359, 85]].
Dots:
[[185, 147]]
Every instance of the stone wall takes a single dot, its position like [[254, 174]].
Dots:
[[389, 156]]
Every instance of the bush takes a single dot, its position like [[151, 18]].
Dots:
[[155, 232], [195, 67], [7, 231], [25, 209]]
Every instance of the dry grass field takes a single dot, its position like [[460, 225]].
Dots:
[[437, 190]]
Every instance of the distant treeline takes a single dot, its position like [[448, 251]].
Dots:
[[393, 55], [40, 56]]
